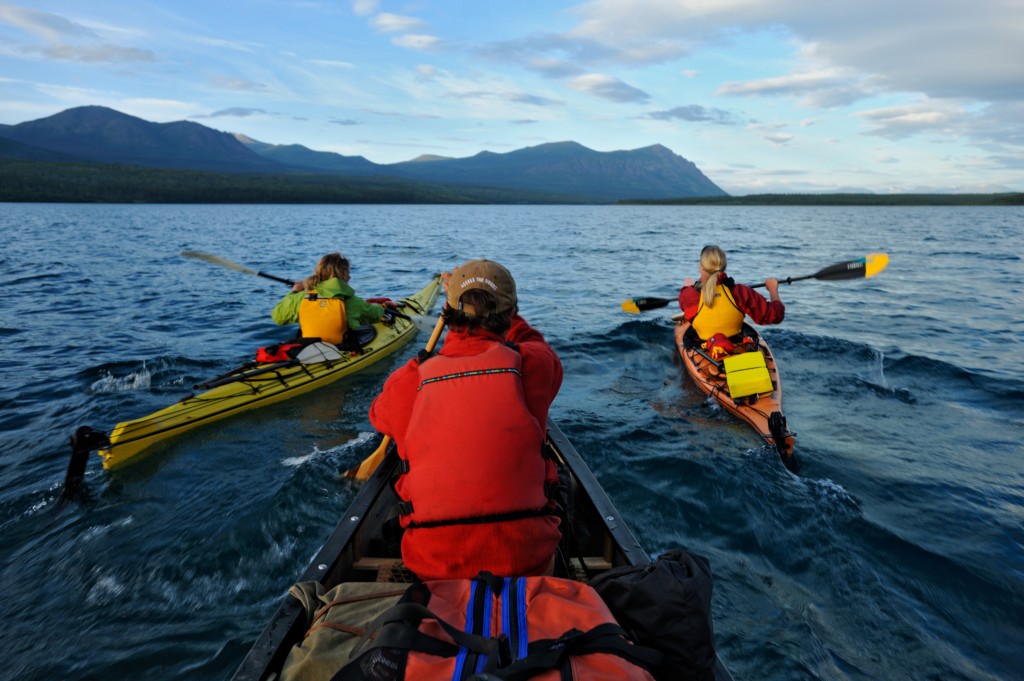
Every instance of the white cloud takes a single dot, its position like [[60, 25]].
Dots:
[[998, 127], [237, 84], [364, 7], [694, 113], [331, 63], [903, 121], [417, 42], [395, 23], [821, 89], [50, 27], [607, 87], [942, 48], [66, 40], [533, 100], [553, 68], [236, 112], [101, 53]]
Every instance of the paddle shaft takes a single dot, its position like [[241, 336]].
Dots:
[[234, 266], [271, 276], [370, 463], [841, 270], [860, 268], [787, 280]]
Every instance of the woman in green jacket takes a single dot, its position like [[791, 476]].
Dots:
[[324, 305]]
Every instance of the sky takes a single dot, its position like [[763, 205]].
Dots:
[[779, 96]]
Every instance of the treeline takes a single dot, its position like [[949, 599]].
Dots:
[[49, 182], [1008, 199], [80, 182]]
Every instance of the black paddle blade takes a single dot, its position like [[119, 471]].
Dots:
[[867, 266], [635, 305]]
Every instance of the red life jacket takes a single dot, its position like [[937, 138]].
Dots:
[[543, 628], [281, 352], [475, 477]]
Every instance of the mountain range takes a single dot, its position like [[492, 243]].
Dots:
[[95, 134]]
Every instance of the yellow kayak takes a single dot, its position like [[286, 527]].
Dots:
[[255, 385]]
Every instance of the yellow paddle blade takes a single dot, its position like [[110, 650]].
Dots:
[[630, 306], [218, 261], [363, 471], [875, 263]]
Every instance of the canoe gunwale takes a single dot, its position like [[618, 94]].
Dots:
[[335, 556]]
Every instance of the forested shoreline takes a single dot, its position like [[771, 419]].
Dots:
[[79, 182], [840, 199]]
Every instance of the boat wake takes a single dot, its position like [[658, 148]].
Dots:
[[109, 383], [357, 444], [175, 373]]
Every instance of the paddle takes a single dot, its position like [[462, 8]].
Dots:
[[861, 268], [233, 265], [364, 470]]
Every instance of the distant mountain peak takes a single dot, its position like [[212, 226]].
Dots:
[[426, 158], [104, 135]]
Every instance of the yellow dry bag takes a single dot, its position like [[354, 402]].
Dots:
[[747, 374]]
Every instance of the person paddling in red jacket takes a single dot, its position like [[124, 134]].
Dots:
[[469, 424], [719, 305]]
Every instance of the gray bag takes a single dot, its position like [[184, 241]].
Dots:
[[337, 619]]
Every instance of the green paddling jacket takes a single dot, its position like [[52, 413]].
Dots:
[[358, 311]]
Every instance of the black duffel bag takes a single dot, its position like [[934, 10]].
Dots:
[[666, 605]]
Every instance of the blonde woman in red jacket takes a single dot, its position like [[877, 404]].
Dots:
[[719, 305]]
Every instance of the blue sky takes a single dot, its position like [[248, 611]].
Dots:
[[763, 95]]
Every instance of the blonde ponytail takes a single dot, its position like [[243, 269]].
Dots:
[[712, 261]]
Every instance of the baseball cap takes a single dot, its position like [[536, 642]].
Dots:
[[485, 275]]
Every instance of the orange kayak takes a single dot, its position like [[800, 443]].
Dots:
[[762, 409]]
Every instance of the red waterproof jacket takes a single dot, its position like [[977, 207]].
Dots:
[[470, 423]]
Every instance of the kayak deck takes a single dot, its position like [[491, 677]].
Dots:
[[763, 411], [255, 385], [596, 539]]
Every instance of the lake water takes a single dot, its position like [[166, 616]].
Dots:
[[896, 551]]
